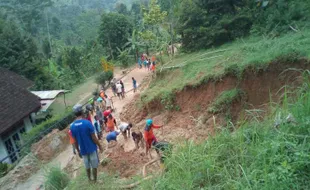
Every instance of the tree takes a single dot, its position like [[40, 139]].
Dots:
[[121, 8], [134, 44], [19, 53], [104, 77], [114, 32], [206, 23]]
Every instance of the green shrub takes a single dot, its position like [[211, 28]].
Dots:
[[3, 169], [104, 77], [225, 99], [56, 179]]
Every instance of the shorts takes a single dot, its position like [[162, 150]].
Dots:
[[119, 94], [91, 160]]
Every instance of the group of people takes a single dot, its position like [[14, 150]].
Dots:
[[85, 137], [148, 63], [85, 133], [118, 88]]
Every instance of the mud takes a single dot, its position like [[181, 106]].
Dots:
[[193, 121]]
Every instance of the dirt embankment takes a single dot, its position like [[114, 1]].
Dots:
[[193, 121]]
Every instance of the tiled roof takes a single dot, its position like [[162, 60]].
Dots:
[[16, 102], [14, 78]]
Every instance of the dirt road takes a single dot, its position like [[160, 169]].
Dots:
[[67, 158]]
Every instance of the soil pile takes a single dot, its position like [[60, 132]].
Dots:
[[51, 145]]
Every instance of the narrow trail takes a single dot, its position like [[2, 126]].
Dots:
[[66, 158]]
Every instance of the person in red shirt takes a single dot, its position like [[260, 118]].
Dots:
[[149, 135]]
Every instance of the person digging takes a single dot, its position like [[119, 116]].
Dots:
[[125, 129], [86, 142], [149, 136], [138, 139]]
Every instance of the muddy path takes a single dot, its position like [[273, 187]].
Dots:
[[122, 160]]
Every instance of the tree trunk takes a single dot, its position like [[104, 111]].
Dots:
[[147, 50], [137, 54], [111, 52], [171, 33]]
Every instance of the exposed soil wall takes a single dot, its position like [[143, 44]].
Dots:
[[260, 86]]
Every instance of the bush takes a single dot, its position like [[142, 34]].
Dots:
[[3, 169], [37, 132], [104, 77], [224, 100], [56, 179]]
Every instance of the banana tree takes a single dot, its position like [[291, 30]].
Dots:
[[133, 44]]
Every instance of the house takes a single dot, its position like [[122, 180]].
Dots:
[[17, 107], [47, 98]]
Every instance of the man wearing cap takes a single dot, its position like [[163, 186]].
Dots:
[[86, 142]]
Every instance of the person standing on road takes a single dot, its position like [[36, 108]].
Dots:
[[149, 135], [86, 142], [123, 88], [119, 90], [134, 83]]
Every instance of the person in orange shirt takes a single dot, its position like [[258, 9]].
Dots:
[[72, 141], [149, 136], [110, 123]]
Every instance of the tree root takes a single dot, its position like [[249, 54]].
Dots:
[[144, 175]]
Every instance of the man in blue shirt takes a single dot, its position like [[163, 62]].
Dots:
[[86, 141], [112, 136]]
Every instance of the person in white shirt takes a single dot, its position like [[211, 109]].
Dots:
[[119, 90], [125, 129]]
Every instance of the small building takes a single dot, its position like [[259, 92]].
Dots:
[[47, 98], [17, 109]]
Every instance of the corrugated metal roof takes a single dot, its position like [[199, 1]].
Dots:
[[49, 95]]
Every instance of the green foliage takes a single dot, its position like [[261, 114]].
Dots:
[[168, 101], [255, 156], [38, 131], [114, 32], [3, 169], [154, 16], [207, 23], [20, 54], [124, 57], [56, 179], [104, 77], [202, 66], [225, 99]]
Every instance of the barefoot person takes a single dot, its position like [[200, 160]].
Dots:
[[138, 139], [86, 142], [149, 136]]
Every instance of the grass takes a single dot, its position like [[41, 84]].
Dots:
[[224, 100], [56, 179], [238, 55], [82, 91], [258, 155]]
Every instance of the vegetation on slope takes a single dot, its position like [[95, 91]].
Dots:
[[224, 100], [212, 64], [259, 155]]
